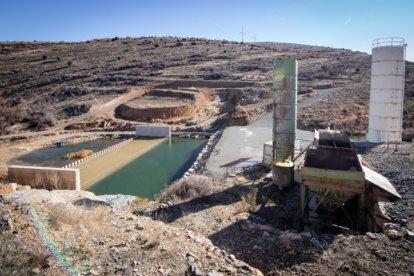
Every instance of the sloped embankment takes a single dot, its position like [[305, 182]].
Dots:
[[162, 104]]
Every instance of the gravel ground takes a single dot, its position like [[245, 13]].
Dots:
[[398, 167]]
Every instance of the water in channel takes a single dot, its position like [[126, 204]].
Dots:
[[55, 157], [150, 172]]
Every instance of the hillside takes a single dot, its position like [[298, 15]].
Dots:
[[43, 84]]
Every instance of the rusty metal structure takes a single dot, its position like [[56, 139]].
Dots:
[[336, 189], [284, 115]]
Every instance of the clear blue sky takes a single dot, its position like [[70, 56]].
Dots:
[[348, 24]]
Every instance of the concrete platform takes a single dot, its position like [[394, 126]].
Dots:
[[246, 142]]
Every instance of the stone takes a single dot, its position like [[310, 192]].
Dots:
[[190, 254], [118, 201], [36, 270], [48, 262], [139, 227], [215, 273], [410, 226], [370, 235], [410, 235], [83, 228], [94, 272], [393, 234], [90, 202], [24, 188], [7, 188], [195, 271], [265, 235]]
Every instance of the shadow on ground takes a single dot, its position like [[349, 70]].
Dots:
[[269, 238]]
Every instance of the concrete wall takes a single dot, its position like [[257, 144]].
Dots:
[[45, 177], [153, 131]]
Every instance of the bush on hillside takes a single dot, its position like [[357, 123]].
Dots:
[[186, 188]]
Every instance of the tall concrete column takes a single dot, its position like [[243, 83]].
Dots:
[[284, 107], [284, 119]]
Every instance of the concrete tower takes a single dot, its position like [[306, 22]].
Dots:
[[387, 90], [284, 119]]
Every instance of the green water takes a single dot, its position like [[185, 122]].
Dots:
[[149, 173], [55, 157]]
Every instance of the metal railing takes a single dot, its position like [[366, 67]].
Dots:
[[387, 41]]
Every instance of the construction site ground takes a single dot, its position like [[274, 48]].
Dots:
[[248, 221], [247, 141]]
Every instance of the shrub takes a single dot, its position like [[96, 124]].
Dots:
[[43, 118], [186, 188], [79, 154], [75, 109]]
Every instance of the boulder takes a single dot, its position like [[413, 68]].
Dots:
[[8, 188]]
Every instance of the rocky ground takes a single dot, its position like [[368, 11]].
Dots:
[[65, 232], [396, 162], [230, 226]]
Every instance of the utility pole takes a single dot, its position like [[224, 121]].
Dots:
[[242, 34], [254, 38]]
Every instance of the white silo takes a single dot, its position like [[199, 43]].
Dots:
[[387, 90]]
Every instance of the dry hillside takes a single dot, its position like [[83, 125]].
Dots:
[[42, 83]]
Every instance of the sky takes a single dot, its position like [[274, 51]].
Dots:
[[350, 24]]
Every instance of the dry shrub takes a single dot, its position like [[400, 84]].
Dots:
[[248, 201], [96, 220], [186, 188], [79, 154], [140, 201]]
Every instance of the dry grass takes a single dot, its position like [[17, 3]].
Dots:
[[248, 202], [186, 188], [141, 201], [79, 154], [96, 220]]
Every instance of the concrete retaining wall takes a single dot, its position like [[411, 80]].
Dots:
[[204, 154], [153, 131], [45, 177]]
